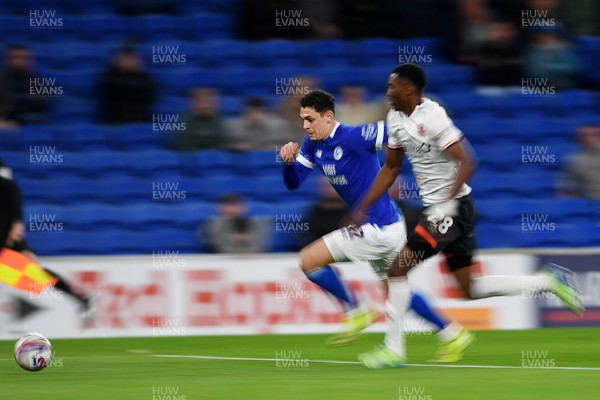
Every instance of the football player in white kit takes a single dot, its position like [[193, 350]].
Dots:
[[442, 161]]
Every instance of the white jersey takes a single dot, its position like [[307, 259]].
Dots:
[[424, 135]]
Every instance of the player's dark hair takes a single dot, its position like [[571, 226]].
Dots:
[[319, 100], [412, 73]]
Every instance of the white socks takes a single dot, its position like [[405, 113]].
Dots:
[[395, 307], [502, 285], [450, 332]]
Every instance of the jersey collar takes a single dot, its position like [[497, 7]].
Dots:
[[337, 124]]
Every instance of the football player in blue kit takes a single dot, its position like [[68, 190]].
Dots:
[[347, 157]]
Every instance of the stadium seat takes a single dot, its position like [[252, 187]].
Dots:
[[155, 163], [227, 53], [96, 217], [73, 190], [211, 163], [102, 27], [207, 26], [259, 163], [82, 137], [155, 28], [120, 241], [190, 214], [107, 164], [67, 242], [278, 53], [321, 52]]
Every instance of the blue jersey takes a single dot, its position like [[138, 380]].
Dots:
[[349, 161]]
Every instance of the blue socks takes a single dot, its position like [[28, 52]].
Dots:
[[329, 280], [421, 307]]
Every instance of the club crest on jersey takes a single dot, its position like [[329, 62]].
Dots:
[[338, 152], [421, 129], [319, 153]]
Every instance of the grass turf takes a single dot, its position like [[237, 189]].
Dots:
[[94, 369]]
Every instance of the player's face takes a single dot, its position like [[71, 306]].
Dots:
[[317, 126], [398, 92]]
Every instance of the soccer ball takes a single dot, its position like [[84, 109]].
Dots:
[[33, 352]]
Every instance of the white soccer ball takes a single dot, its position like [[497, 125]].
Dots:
[[33, 352]]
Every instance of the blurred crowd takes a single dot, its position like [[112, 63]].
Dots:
[[503, 40]]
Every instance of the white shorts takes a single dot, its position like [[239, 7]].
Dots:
[[378, 246]]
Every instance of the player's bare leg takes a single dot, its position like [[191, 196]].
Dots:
[[315, 260]]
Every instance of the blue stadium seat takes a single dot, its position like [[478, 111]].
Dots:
[[82, 136], [36, 191], [571, 103], [95, 216], [227, 53], [321, 52], [333, 78], [119, 241], [155, 27], [466, 104], [213, 188], [148, 216], [207, 26], [449, 78], [67, 242], [379, 52], [170, 104], [171, 239], [155, 163], [247, 82], [259, 163], [278, 53], [210, 163], [102, 27], [125, 190], [38, 135], [73, 190], [190, 214], [75, 110], [491, 185], [492, 236], [108, 164], [231, 106]]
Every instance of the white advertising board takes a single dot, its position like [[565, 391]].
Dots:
[[172, 294]]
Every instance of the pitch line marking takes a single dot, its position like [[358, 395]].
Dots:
[[358, 363]]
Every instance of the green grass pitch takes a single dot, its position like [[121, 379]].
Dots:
[[91, 369]]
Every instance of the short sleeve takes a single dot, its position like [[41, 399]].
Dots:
[[443, 130]]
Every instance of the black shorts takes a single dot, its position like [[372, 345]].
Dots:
[[454, 236]]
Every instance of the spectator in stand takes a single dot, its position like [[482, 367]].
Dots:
[[256, 129], [127, 90], [354, 109], [203, 125], [20, 102], [582, 170], [472, 29], [500, 62], [551, 56], [233, 231]]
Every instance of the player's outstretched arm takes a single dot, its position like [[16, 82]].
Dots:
[[294, 173], [384, 179], [464, 154]]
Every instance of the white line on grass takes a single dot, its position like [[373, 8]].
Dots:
[[358, 363]]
